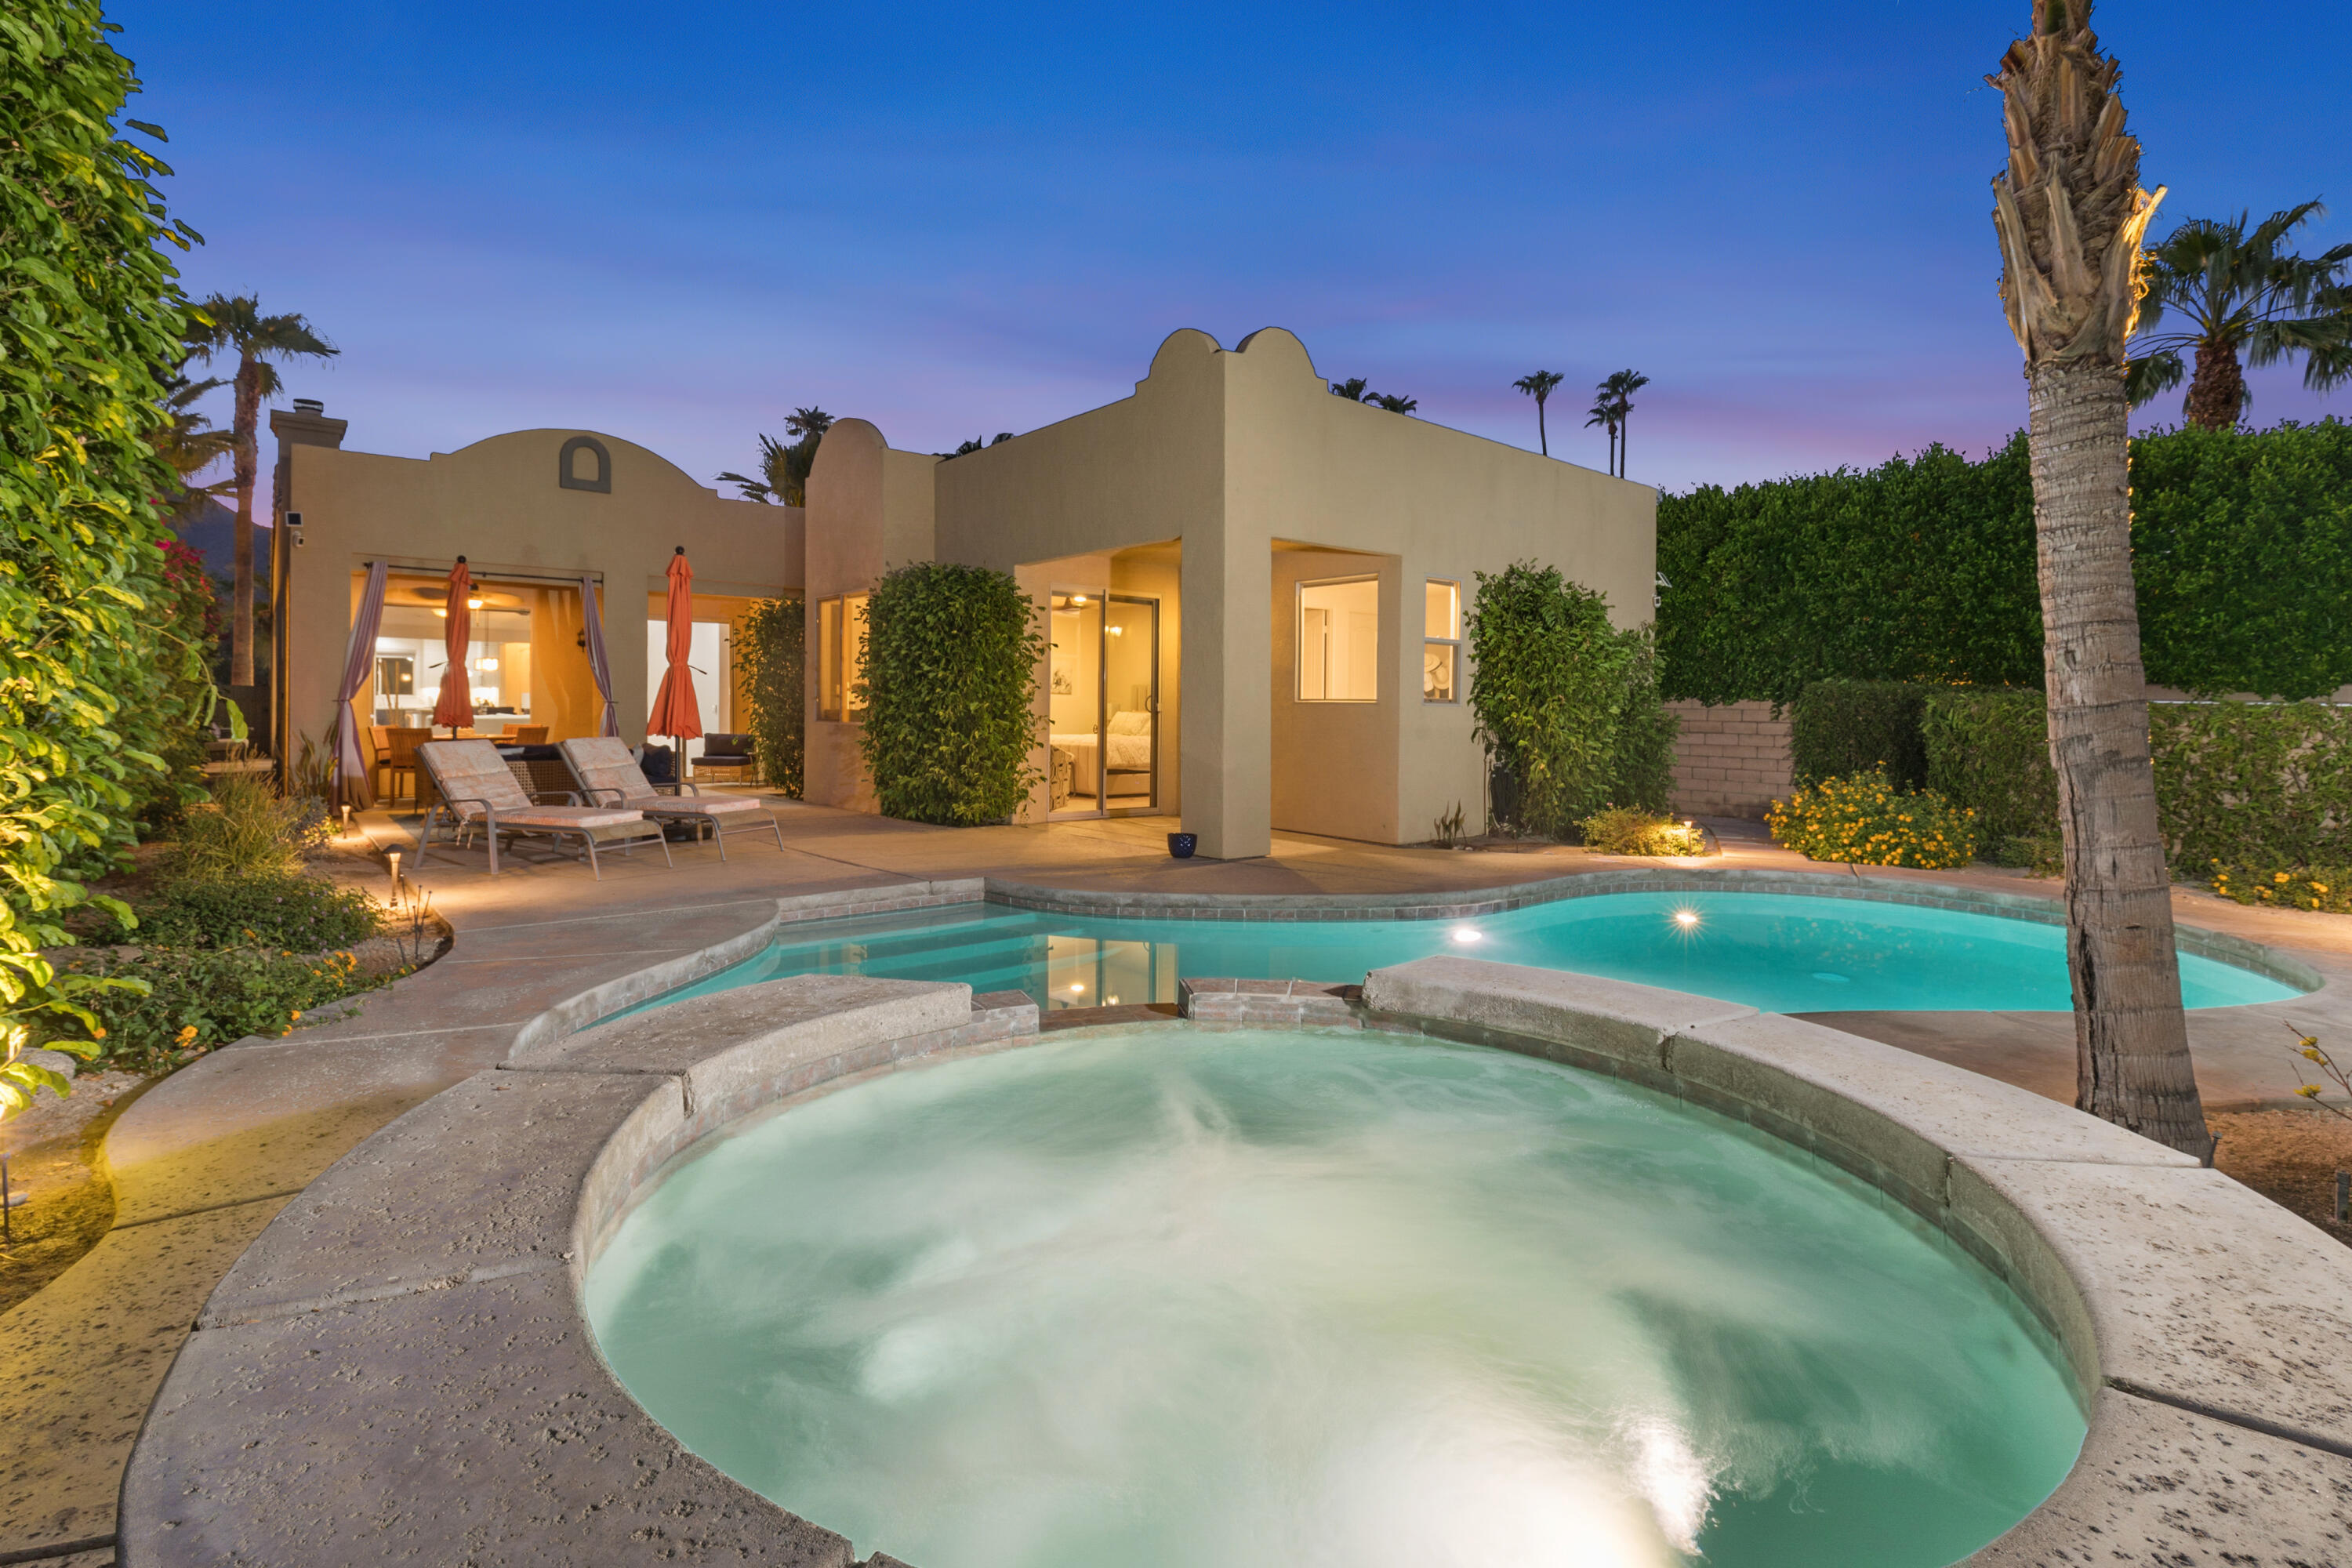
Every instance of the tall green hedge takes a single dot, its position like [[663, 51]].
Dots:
[[92, 311], [770, 650], [1568, 705], [1842, 727], [1991, 751], [1923, 570], [952, 655]]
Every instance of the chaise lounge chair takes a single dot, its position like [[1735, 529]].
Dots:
[[608, 775], [477, 789]]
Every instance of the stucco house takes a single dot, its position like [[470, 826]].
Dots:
[[1253, 590]]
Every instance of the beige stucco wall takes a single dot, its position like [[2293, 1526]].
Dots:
[[1334, 764], [1226, 453], [499, 503]]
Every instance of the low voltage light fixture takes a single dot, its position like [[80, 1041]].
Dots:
[[1468, 934]]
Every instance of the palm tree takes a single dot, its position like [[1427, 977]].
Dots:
[[1352, 389], [1392, 403], [2231, 290], [1604, 413], [189, 443], [783, 470], [219, 325], [1618, 392], [2071, 215], [1539, 387]]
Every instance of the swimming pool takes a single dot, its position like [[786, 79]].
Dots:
[[1775, 951], [1163, 1297]]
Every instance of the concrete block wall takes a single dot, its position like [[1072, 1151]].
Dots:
[[1731, 760]]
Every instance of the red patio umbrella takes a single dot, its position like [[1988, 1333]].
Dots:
[[676, 712], [456, 708]]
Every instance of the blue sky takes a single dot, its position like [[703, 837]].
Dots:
[[676, 224]]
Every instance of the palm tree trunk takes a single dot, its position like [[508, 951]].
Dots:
[[2217, 388], [246, 461], [1542, 440], [2133, 1065], [1624, 440]]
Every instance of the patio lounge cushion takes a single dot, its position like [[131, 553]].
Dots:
[[565, 817], [691, 804], [473, 770]]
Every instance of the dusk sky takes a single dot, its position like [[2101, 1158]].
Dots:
[[676, 224]]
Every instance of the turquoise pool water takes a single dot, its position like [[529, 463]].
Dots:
[[1779, 953], [1175, 1298]]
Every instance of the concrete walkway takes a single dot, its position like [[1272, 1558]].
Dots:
[[204, 1160]]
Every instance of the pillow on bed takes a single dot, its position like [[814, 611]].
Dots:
[[1130, 724]]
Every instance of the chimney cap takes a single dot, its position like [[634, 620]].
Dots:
[[309, 405]]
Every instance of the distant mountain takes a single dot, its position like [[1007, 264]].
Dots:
[[209, 528]]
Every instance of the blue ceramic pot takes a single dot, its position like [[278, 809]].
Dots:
[[1181, 845]]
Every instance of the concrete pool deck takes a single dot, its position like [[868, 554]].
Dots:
[[203, 1160]]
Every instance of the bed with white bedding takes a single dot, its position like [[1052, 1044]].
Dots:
[[1128, 750]]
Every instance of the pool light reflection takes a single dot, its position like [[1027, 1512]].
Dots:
[[1687, 919], [1468, 934]]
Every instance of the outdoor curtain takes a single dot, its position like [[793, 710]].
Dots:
[[598, 666], [354, 780], [456, 707], [676, 712]]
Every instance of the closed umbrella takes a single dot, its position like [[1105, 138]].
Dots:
[[456, 708], [676, 712]]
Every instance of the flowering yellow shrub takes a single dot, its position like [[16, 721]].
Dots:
[[1862, 819], [2304, 888]]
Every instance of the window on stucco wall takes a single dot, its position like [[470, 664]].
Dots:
[[1441, 647], [840, 655]]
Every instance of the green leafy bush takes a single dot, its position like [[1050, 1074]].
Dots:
[[1630, 830], [1923, 569], [200, 999], [770, 656], [2327, 888], [1840, 727], [2253, 784], [952, 655], [250, 830], [1568, 705], [87, 671], [1864, 819], [304, 914], [1990, 750]]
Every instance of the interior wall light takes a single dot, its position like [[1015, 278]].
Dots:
[[485, 664]]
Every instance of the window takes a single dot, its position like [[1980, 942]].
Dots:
[[1441, 649], [840, 655], [1340, 641]]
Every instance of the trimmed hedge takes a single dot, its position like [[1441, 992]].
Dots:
[[2258, 786], [1841, 726], [1923, 570], [952, 655]]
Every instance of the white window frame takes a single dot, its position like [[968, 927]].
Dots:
[[1298, 639], [1454, 642]]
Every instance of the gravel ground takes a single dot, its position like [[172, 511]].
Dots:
[[2291, 1157]]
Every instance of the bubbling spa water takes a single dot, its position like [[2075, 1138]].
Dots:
[[1161, 1296]]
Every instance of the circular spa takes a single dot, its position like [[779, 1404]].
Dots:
[[1164, 1295]]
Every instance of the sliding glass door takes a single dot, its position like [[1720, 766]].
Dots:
[[1104, 672]]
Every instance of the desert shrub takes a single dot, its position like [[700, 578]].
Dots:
[[1631, 830], [770, 656], [2327, 888], [1568, 706], [1840, 727], [952, 655], [201, 998], [1864, 819], [250, 830], [304, 914]]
